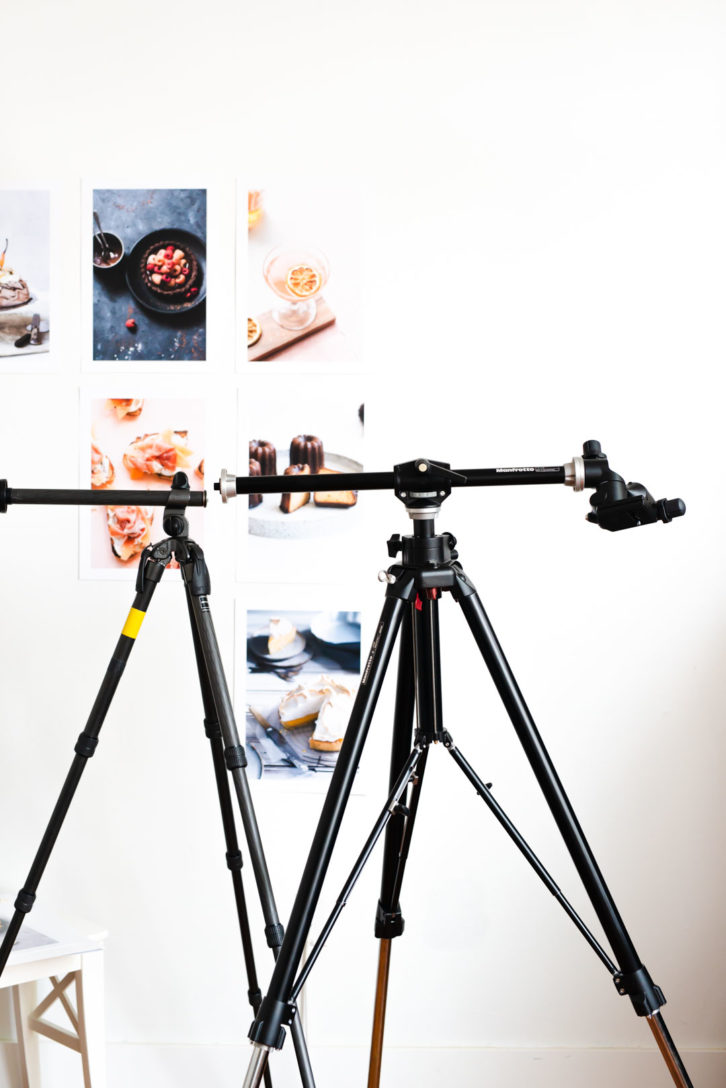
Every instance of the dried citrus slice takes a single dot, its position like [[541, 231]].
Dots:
[[254, 331], [303, 280]]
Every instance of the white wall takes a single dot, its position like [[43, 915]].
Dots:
[[544, 265]]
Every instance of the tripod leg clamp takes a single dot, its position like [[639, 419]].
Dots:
[[212, 728], [267, 1029], [234, 860], [86, 745], [646, 997], [389, 924], [24, 902], [274, 933], [235, 757]]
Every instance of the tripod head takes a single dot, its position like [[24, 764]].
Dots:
[[617, 505]]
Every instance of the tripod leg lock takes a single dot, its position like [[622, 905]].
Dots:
[[24, 902], [274, 932], [646, 997], [234, 860], [267, 1029], [389, 924], [86, 745], [235, 757], [212, 728]]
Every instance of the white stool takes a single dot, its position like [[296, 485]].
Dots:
[[48, 949]]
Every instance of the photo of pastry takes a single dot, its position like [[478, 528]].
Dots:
[[316, 434], [24, 272], [303, 274], [148, 252], [137, 443], [302, 455], [303, 672]]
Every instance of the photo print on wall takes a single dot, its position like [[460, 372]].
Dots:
[[303, 672], [303, 277], [137, 443], [24, 272], [149, 254], [318, 433]]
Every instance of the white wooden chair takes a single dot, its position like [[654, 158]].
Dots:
[[69, 958]]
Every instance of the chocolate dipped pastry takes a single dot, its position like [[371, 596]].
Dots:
[[265, 454], [255, 470], [294, 500], [168, 269], [307, 449], [334, 498]]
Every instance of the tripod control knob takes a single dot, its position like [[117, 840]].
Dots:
[[395, 545], [386, 576]]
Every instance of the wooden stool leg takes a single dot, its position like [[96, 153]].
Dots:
[[91, 1019], [25, 998]]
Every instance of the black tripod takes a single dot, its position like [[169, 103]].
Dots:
[[428, 568], [228, 755]]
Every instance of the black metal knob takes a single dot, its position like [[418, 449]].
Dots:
[[394, 545]]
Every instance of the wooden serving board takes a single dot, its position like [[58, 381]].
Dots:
[[274, 338]]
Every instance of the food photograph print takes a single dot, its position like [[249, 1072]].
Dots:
[[148, 252], [316, 433], [24, 274], [303, 288], [303, 669], [136, 443]]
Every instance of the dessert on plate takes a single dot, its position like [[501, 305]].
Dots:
[[334, 498], [280, 634], [290, 501], [307, 449], [265, 454], [327, 703], [169, 269], [254, 470]]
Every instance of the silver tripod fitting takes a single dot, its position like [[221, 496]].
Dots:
[[227, 486], [575, 473]]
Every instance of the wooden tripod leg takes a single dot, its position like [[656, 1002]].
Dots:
[[379, 1014], [668, 1051]]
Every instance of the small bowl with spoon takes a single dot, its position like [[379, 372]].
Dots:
[[108, 249]]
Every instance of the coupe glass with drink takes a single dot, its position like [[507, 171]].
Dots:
[[297, 275]]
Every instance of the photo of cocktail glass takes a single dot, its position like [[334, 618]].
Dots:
[[297, 275]]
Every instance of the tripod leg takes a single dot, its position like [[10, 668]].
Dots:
[[84, 749], [233, 854], [633, 978], [389, 920], [196, 579], [267, 1032]]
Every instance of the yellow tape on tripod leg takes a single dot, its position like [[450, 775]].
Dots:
[[133, 623]]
